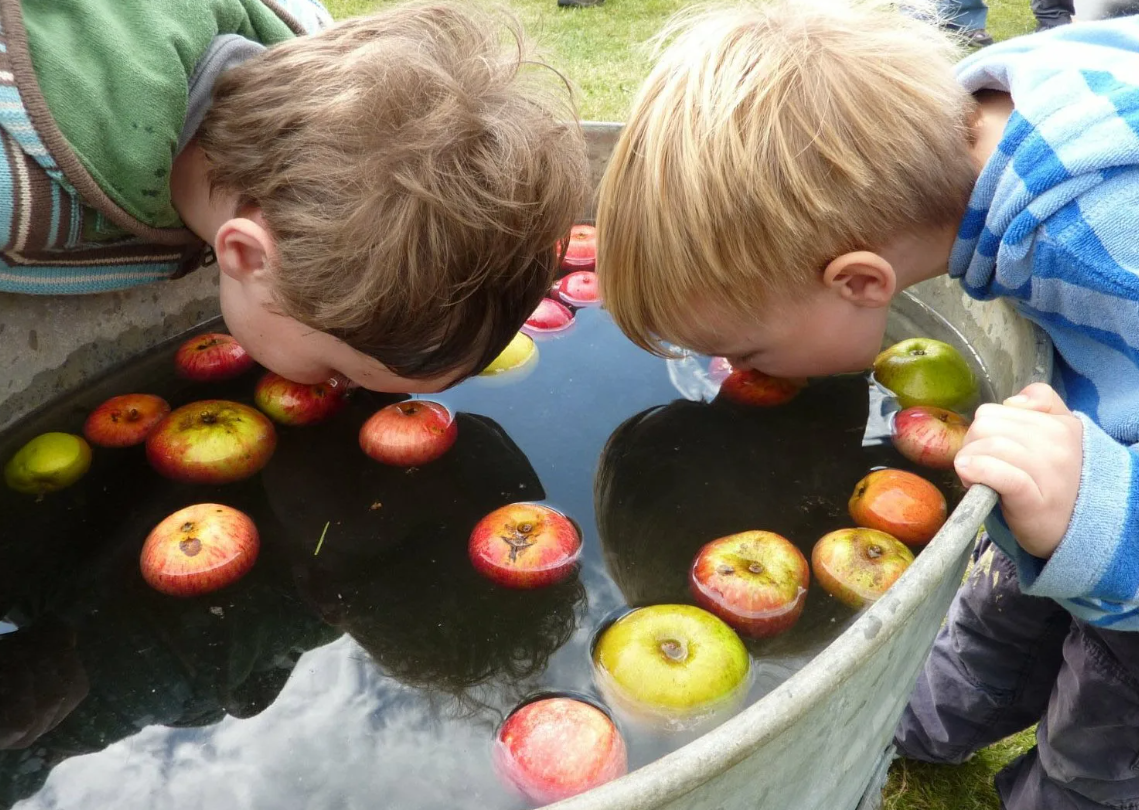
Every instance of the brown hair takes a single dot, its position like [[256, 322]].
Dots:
[[416, 169], [768, 140]]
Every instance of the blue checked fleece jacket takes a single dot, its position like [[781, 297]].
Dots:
[[1053, 226]]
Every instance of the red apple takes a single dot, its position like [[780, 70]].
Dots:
[[558, 747], [125, 420], [581, 248], [929, 436], [525, 545], [580, 288], [409, 433], [199, 549], [746, 386], [755, 581], [291, 403], [550, 316], [899, 503], [211, 442], [212, 357], [857, 566]]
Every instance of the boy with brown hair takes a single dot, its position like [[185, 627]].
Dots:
[[383, 197], [787, 170]]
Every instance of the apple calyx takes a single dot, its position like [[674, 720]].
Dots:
[[674, 650], [874, 551]]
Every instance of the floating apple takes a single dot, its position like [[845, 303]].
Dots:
[[291, 403], [719, 369], [746, 386], [125, 420], [755, 581], [558, 747], [580, 288], [48, 463], [675, 664], [929, 436], [581, 248], [922, 371], [525, 545], [857, 566], [211, 442], [409, 433], [899, 503], [212, 357], [519, 352], [550, 316], [199, 549]]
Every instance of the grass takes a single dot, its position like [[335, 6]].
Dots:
[[599, 50]]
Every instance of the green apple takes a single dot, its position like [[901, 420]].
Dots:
[[672, 663], [923, 371], [49, 462]]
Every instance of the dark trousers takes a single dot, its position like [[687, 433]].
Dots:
[[1050, 13], [1004, 661]]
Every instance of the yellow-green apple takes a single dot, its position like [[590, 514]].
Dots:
[[199, 549], [929, 436], [291, 403], [557, 747], [746, 386], [671, 664], [409, 433], [125, 420], [755, 581], [581, 248], [857, 566], [580, 288], [212, 357], [48, 463], [899, 503], [519, 352], [550, 316], [211, 442], [525, 545], [923, 371]]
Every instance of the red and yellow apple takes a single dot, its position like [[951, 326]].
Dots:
[[857, 566], [525, 545], [290, 403], [199, 549], [929, 436], [48, 463], [125, 420], [580, 288], [899, 503], [746, 386], [581, 248], [409, 433], [550, 316], [212, 357], [755, 581], [557, 747], [211, 442]]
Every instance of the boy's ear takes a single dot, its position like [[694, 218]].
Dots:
[[863, 278], [243, 247]]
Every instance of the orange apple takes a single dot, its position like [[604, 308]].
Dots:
[[212, 357], [199, 549], [857, 566], [125, 420], [899, 503], [525, 545], [409, 433], [746, 386]]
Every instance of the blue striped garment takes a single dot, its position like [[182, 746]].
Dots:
[[1053, 226]]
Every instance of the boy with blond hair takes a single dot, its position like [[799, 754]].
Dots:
[[383, 197], [787, 170]]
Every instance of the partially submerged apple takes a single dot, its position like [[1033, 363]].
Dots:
[[290, 403], [929, 436], [581, 248], [550, 316], [755, 581], [212, 357], [48, 463], [409, 433], [580, 288], [746, 386], [125, 420], [199, 549], [923, 371], [211, 442], [857, 566], [525, 545], [899, 503], [520, 352], [675, 665], [558, 747]]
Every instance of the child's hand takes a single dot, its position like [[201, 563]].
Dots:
[[1031, 451]]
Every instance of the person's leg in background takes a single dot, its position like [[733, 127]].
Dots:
[[969, 17], [1052, 13]]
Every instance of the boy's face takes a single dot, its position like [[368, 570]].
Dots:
[[302, 354]]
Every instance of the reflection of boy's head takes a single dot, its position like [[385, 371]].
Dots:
[[677, 476], [393, 570]]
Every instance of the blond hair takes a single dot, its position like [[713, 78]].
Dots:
[[768, 140], [416, 169]]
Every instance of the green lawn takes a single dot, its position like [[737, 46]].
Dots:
[[599, 50]]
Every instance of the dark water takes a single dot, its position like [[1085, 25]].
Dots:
[[375, 673]]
